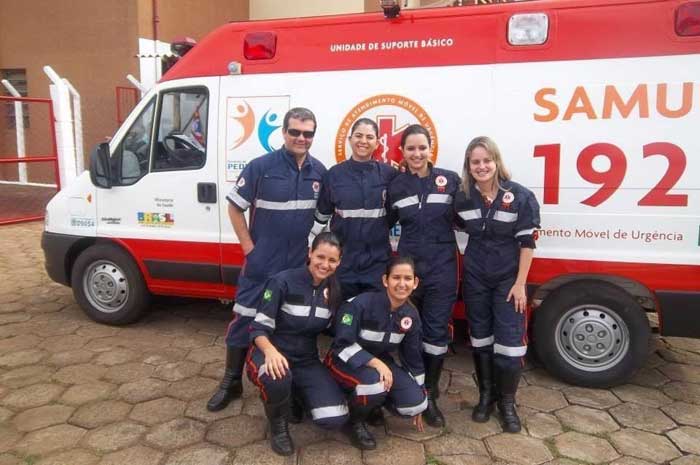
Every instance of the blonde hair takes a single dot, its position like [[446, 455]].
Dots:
[[502, 173]]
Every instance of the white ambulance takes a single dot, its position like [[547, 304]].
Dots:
[[595, 105]]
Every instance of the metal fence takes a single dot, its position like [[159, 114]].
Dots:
[[29, 174]]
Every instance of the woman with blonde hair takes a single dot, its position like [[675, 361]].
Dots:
[[501, 217]]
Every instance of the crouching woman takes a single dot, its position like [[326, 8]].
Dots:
[[296, 306], [367, 330]]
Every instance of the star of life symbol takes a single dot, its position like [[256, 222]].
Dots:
[[392, 113]]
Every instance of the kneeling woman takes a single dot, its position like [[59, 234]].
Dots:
[[296, 306], [367, 330]]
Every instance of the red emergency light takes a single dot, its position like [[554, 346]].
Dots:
[[260, 45], [688, 19]]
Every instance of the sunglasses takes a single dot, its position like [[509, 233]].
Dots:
[[298, 132]]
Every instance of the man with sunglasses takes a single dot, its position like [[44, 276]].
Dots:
[[281, 189]]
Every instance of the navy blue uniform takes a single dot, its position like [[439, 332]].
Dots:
[[282, 199], [292, 312], [366, 328], [497, 232], [354, 197], [425, 209]]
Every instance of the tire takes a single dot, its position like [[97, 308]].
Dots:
[[591, 333], [109, 286]]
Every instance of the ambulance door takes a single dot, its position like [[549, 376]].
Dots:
[[251, 111], [164, 206]]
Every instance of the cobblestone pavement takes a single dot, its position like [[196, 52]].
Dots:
[[75, 392]]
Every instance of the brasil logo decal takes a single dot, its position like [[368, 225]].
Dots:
[[392, 113]]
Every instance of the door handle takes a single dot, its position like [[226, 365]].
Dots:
[[206, 192]]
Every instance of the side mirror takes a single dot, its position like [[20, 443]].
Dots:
[[100, 169]]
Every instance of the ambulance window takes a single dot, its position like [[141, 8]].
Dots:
[[182, 130], [132, 155]]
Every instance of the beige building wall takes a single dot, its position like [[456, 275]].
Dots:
[[193, 18], [271, 9]]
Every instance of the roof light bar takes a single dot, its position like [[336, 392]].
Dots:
[[260, 45], [688, 19]]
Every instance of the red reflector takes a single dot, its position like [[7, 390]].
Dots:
[[688, 19], [260, 45]]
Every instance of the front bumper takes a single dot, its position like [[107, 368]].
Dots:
[[57, 249]]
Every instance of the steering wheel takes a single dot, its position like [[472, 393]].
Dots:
[[174, 141]]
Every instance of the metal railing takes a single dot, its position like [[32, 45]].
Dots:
[[16, 205]]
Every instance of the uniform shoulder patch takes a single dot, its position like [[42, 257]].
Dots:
[[346, 319], [267, 295]]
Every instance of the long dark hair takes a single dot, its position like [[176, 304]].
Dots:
[[415, 129], [409, 131], [367, 122], [397, 260], [335, 296]]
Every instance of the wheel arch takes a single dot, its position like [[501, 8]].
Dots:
[[82, 245], [638, 291], [75, 251]]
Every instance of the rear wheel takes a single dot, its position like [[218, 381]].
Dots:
[[591, 333], [109, 286]]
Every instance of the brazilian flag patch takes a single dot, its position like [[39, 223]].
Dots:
[[347, 319], [267, 295]]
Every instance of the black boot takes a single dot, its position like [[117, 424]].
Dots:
[[507, 381], [296, 411], [231, 386], [483, 366], [433, 369], [376, 417], [277, 416], [360, 435]]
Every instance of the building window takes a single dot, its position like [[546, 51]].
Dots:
[[18, 79]]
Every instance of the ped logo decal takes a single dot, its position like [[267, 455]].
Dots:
[[253, 127], [392, 113]]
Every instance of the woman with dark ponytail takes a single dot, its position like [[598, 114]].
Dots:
[[296, 306], [353, 197], [368, 330], [422, 196]]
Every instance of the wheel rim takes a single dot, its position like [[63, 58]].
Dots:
[[592, 338], [105, 286]]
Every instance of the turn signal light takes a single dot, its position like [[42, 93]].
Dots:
[[688, 19], [260, 45]]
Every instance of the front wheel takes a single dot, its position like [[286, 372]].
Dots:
[[591, 333], [108, 285]]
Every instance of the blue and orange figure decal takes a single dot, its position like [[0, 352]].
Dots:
[[245, 117], [266, 127]]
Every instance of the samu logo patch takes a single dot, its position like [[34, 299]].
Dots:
[[347, 319], [267, 295]]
